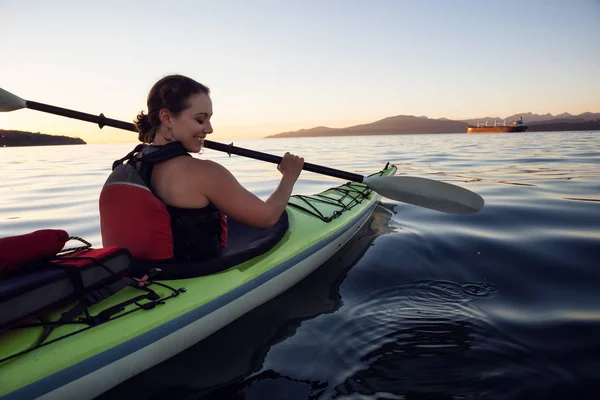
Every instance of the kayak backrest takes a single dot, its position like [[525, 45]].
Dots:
[[125, 200]]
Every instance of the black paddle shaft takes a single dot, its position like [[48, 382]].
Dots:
[[230, 149]]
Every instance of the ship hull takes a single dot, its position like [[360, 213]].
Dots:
[[495, 129]]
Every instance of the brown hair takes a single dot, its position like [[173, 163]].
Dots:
[[172, 93]]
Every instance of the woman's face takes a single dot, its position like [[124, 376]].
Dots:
[[192, 125]]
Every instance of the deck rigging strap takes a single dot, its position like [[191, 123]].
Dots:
[[352, 194], [106, 315], [86, 246]]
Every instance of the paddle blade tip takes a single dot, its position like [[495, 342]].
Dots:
[[427, 193], [10, 102], [468, 206]]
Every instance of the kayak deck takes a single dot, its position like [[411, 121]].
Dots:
[[196, 298]]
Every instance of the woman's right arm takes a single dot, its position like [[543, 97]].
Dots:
[[228, 195]]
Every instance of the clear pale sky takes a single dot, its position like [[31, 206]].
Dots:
[[276, 65]]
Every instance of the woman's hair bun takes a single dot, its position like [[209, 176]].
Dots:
[[144, 127]]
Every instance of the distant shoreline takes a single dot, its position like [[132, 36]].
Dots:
[[411, 125], [23, 139], [430, 133]]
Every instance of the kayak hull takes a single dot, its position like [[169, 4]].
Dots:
[[94, 374], [205, 321]]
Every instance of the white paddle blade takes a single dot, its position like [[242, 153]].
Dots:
[[10, 102], [439, 196]]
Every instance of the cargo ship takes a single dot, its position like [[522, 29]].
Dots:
[[498, 127]]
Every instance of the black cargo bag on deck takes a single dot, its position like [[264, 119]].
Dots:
[[51, 283]]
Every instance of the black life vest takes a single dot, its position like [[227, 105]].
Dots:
[[133, 214]]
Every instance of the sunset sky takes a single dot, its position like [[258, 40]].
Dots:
[[275, 65]]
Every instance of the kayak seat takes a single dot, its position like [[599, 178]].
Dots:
[[243, 243]]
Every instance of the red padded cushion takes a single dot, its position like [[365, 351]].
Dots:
[[18, 251], [122, 207]]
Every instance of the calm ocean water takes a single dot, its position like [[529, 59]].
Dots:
[[502, 304]]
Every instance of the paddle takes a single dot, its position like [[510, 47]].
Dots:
[[439, 196]]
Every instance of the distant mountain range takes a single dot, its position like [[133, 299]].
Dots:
[[530, 118], [409, 124], [20, 138]]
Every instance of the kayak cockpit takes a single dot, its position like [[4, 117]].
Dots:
[[244, 243]]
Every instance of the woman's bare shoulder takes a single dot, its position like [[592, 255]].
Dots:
[[190, 169], [188, 182]]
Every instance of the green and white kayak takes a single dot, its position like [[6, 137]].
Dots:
[[85, 362]]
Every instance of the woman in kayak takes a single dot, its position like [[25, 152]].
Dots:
[[196, 193]]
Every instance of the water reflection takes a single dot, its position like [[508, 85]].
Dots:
[[420, 340], [393, 340]]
